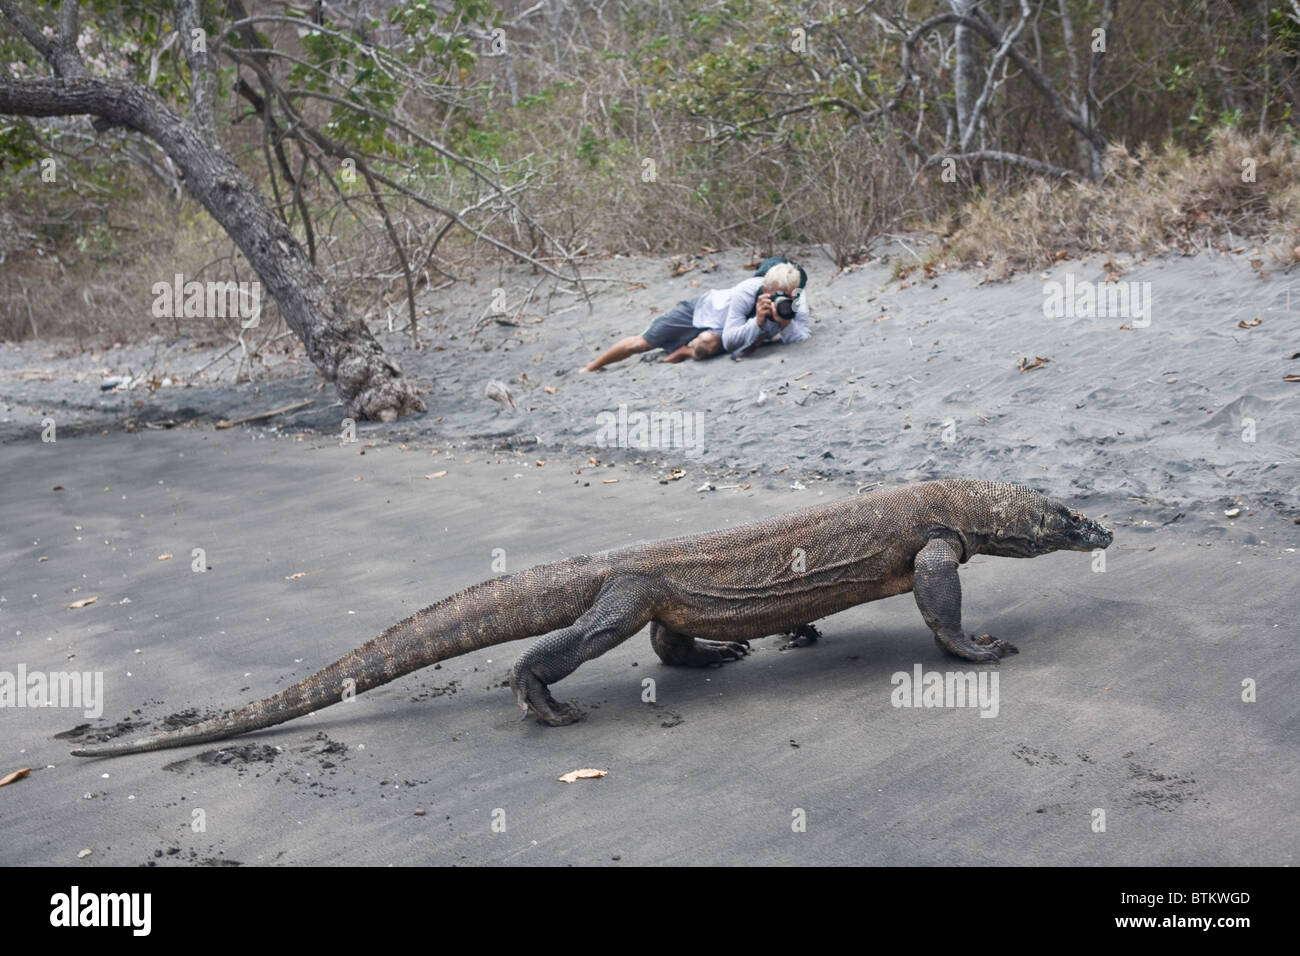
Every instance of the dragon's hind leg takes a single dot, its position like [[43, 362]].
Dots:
[[623, 606], [674, 647]]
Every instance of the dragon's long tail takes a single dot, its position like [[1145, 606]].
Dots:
[[503, 609]]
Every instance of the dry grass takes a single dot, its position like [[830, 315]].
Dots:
[[1148, 203], [98, 289]]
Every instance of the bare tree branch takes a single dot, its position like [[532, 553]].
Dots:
[[1091, 105], [44, 45], [401, 249], [202, 63], [60, 51], [998, 58]]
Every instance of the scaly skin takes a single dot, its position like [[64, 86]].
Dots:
[[705, 596]]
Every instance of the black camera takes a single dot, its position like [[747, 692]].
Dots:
[[783, 305]]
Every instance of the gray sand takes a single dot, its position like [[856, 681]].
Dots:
[[1126, 697]]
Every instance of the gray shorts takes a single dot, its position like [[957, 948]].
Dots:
[[674, 328]]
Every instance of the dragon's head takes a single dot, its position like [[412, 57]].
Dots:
[[1052, 525]]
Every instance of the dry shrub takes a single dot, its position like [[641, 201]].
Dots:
[[1148, 203]]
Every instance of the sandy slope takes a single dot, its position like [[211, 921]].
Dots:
[[898, 383]]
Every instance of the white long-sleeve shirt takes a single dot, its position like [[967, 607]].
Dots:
[[731, 310]]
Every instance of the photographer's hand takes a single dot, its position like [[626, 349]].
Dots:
[[763, 309]]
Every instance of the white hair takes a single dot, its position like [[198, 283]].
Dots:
[[783, 276]]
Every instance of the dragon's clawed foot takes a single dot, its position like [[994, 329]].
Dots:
[[999, 647], [984, 649], [715, 653], [805, 635], [534, 698]]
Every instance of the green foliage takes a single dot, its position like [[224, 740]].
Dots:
[[546, 96], [1283, 31], [437, 37], [19, 145], [483, 143], [590, 146]]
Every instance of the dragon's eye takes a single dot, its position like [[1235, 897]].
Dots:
[[1074, 519]]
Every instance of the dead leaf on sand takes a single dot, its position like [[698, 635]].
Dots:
[[1243, 324], [437, 474], [16, 775], [83, 602], [675, 474], [1027, 366], [1291, 378], [583, 774]]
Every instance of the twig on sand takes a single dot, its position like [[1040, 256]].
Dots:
[[199, 371], [260, 415]]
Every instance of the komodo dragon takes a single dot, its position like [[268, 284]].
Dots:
[[704, 596]]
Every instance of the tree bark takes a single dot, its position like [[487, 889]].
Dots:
[[965, 81], [338, 343], [965, 74]]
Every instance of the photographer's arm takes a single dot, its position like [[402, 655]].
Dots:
[[740, 332], [800, 327]]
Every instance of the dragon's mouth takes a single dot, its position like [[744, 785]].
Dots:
[[1014, 547], [1089, 535]]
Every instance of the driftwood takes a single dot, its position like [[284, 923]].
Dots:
[[260, 415]]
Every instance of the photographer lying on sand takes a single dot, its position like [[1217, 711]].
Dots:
[[766, 307]]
